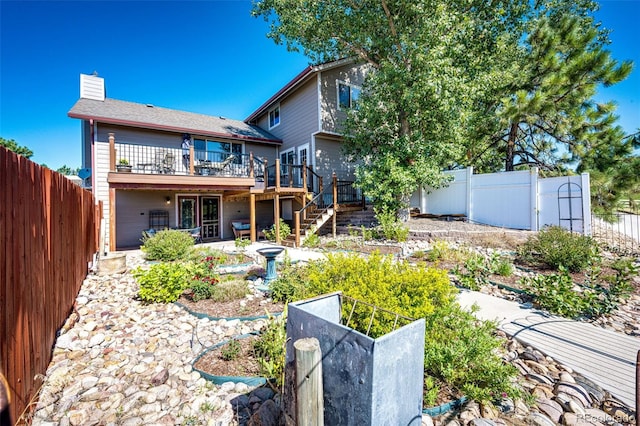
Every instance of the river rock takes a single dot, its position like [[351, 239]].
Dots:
[[538, 419], [550, 408], [575, 391], [595, 391]]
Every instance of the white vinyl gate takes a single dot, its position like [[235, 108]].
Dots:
[[515, 200]]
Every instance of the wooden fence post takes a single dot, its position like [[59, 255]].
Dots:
[[309, 392]]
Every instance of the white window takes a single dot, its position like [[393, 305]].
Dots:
[[347, 95], [274, 117]]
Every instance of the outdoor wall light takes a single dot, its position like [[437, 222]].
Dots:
[[168, 200]]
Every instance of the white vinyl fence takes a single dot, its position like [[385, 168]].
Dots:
[[515, 200]]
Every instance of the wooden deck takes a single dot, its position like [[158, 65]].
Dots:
[[606, 357]]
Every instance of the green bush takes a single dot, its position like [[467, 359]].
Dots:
[[270, 233], [269, 349], [201, 290], [231, 350], [462, 351], [390, 227], [459, 349], [379, 280], [555, 247], [556, 294], [167, 245], [290, 284], [242, 243], [478, 267], [162, 282], [600, 294], [312, 240], [475, 273]]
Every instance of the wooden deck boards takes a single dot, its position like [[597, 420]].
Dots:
[[606, 357]]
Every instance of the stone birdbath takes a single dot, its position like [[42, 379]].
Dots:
[[270, 253]]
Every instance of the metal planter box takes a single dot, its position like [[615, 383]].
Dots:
[[366, 381]]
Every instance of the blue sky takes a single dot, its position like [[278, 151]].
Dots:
[[209, 57]]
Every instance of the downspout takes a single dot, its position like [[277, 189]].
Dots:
[[93, 159]]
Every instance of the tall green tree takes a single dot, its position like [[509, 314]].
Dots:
[[547, 116], [66, 170], [614, 168], [12, 145], [429, 63]]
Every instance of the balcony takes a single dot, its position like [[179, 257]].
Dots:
[[145, 159], [134, 166]]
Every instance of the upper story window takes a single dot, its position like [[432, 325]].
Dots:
[[347, 95], [274, 117]]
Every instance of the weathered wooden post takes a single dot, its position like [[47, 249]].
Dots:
[[112, 152], [296, 228], [192, 159], [309, 393]]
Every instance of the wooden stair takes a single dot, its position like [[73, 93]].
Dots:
[[314, 221], [347, 220]]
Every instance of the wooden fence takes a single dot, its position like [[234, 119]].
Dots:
[[49, 231]]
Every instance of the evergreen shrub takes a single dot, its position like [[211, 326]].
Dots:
[[167, 245]]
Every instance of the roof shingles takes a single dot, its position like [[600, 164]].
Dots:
[[114, 111]]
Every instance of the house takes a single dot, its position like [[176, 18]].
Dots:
[[154, 167]]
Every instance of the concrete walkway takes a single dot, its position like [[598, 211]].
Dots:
[[606, 357]]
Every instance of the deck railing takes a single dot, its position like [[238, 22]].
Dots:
[[293, 176], [147, 159]]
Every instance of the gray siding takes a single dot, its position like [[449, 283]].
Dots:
[[240, 210], [298, 117], [329, 159], [263, 151], [140, 136], [331, 116], [132, 214]]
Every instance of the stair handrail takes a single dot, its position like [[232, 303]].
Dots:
[[321, 206], [318, 179], [347, 194]]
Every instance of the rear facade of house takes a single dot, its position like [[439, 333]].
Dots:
[[158, 168]]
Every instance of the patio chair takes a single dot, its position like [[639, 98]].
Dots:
[[195, 234], [165, 162], [222, 165]]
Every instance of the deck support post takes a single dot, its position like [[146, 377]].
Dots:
[[276, 219], [296, 225], [252, 217], [112, 152]]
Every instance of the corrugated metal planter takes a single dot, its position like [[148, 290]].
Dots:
[[366, 381]]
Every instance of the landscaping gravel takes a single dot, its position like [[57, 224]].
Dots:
[[120, 362]]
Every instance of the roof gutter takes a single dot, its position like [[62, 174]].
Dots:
[[287, 88], [300, 78]]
